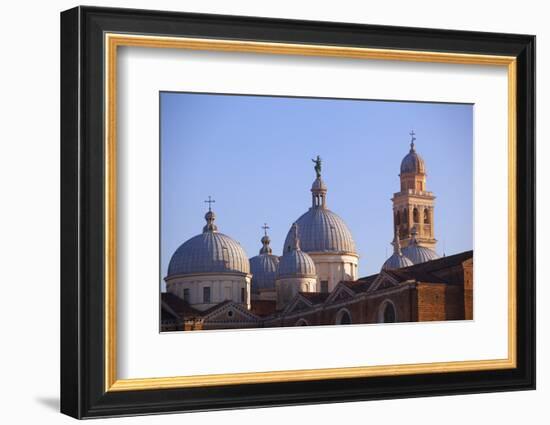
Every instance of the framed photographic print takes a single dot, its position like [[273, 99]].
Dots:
[[261, 212]]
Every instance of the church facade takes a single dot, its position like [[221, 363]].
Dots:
[[212, 284]]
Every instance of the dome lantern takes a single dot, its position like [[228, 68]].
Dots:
[[318, 188], [266, 249], [210, 217]]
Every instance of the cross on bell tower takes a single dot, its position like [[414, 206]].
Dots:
[[412, 134], [413, 205]]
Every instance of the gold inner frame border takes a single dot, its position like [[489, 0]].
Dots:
[[113, 40]]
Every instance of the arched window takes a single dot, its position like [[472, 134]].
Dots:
[[302, 322], [415, 215], [405, 219], [343, 317], [387, 313], [397, 220], [426, 216]]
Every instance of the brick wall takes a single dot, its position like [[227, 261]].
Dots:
[[363, 311], [468, 289], [437, 301]]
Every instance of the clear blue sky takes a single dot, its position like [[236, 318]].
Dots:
[[253, 155]]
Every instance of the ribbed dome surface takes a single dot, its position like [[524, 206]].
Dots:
[[296, 263], [396, 261], [321, 230], [209, 252], [419, 254], [264, 271], [413, 163]]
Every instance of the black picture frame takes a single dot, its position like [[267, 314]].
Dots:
[[83, 392]]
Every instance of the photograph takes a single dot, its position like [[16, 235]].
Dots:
[[281, 211]]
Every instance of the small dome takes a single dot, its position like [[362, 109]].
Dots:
[[413, 163], [264, 271], [209, 252], [321, 230], [264, 266], [295, 262], [419, 254], [396, 261]]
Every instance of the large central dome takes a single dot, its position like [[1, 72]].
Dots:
[[319, 229], [209, 252]]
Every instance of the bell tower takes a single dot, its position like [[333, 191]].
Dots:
[[413, 205]]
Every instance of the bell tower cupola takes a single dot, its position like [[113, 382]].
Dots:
[[413, 205]]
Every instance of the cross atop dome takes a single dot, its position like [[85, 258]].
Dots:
[[412, 134], [210, 201], [210, 217], [266, 249]]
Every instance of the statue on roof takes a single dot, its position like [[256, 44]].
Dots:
[[317, 167]]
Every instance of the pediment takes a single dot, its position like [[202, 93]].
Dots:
[[383, 281], [340, 293], [231, 313], [298, 303]]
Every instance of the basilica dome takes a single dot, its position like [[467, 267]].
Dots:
[[264, 267], [319, 229], [419, 254], [397, 259], [209, 252], [295, 262], [413, 163], [396, 262]]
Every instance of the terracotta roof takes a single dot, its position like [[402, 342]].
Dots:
[[442, 263], [428, 272], [263, 307], [403, 275], [177, 305], [361, 285], [315, 297], [167, 316]]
